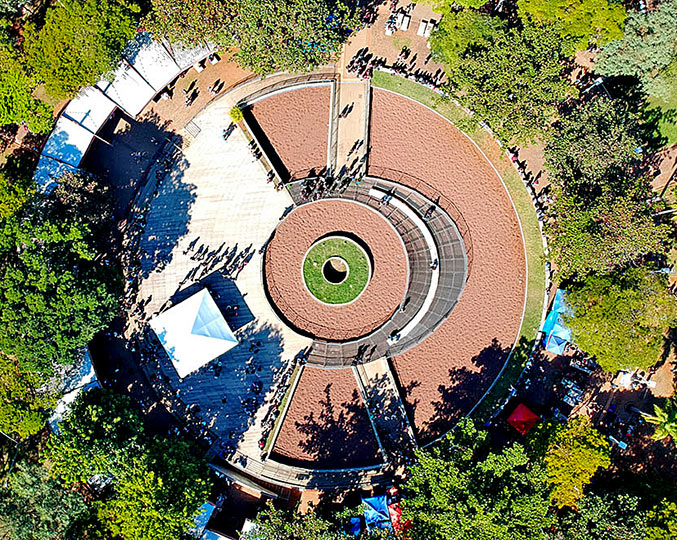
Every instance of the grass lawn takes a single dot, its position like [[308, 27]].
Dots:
[[353, 279], [528, 219], [667, 126]]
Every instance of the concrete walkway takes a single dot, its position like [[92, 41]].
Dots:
[[386, 409]]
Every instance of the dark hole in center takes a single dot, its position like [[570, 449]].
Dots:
[[334, 271]]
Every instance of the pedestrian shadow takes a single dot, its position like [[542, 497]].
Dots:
[[218, 403], [226, 295]]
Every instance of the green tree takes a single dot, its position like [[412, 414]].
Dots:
[[55, 292], [609, 517], [17, 103], [272, 524], [575, 453], [593, 150], [579, 22], [662, 521], [461, 490], [192, 23], [157, 494], [665, 421], [621, 318], [96, 438], [158, 484], [35, 507], [15, 192], [290, 35], [80, 41], [647, 50], [22, 405], [511, 78], [603, 235]]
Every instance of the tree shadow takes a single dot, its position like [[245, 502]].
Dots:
[[339, 435], [130, 150], [464, 390]]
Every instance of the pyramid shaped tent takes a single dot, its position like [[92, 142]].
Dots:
[[193, 332], [523, 419]]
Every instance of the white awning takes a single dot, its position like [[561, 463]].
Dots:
[[90, 108], [128, 90], [151, 60], [193, 333]]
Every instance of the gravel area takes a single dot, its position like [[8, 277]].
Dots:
[[284, 263], [296, 123], [445, 376], [327, 425]]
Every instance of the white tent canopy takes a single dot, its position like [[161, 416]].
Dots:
[[193, 332]]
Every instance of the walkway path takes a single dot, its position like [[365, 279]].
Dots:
[[351, 125], [386, 409]]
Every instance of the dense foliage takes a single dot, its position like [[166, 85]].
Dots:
[[594, 150], [509, 77], [622, 318], [665, 420], [22, 402], [575, 452], [35, 507], [603, 235], [79, 41], [579, 22], [602, 217], [17, 103], [192, 22], [462, 490], [268, 35], [608, 517], [157, 484], [56, 292], [647, 50], [274, 524]]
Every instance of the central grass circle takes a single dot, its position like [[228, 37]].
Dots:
[[336, 270]]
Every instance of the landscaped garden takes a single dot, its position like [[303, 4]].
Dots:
[[307, 250], [336, 270]]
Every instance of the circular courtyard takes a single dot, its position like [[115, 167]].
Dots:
[[369, 309]]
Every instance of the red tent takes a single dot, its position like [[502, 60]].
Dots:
[[522, 419]]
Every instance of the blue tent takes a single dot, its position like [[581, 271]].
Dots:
[[376, 513], [556, 333], [355, 526]]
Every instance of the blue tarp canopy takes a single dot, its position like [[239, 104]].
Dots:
[[355, 526], [557, 334], [376, 513]]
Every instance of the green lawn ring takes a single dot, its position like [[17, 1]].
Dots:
[[336, 270]]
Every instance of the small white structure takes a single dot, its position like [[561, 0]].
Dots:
[[193, 332]]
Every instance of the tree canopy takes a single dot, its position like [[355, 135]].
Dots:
[[268, 35], [22, 402], [594, 150], [192, 22], [607, 517], [579, 22], [510, 77], [622, 318], [35, 507], [17, 103], [462, 490], [604, 235], [55, 293], [80, 41], [575, 452], [273, 524], [665, 420], [646, 51], [158, 484]]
